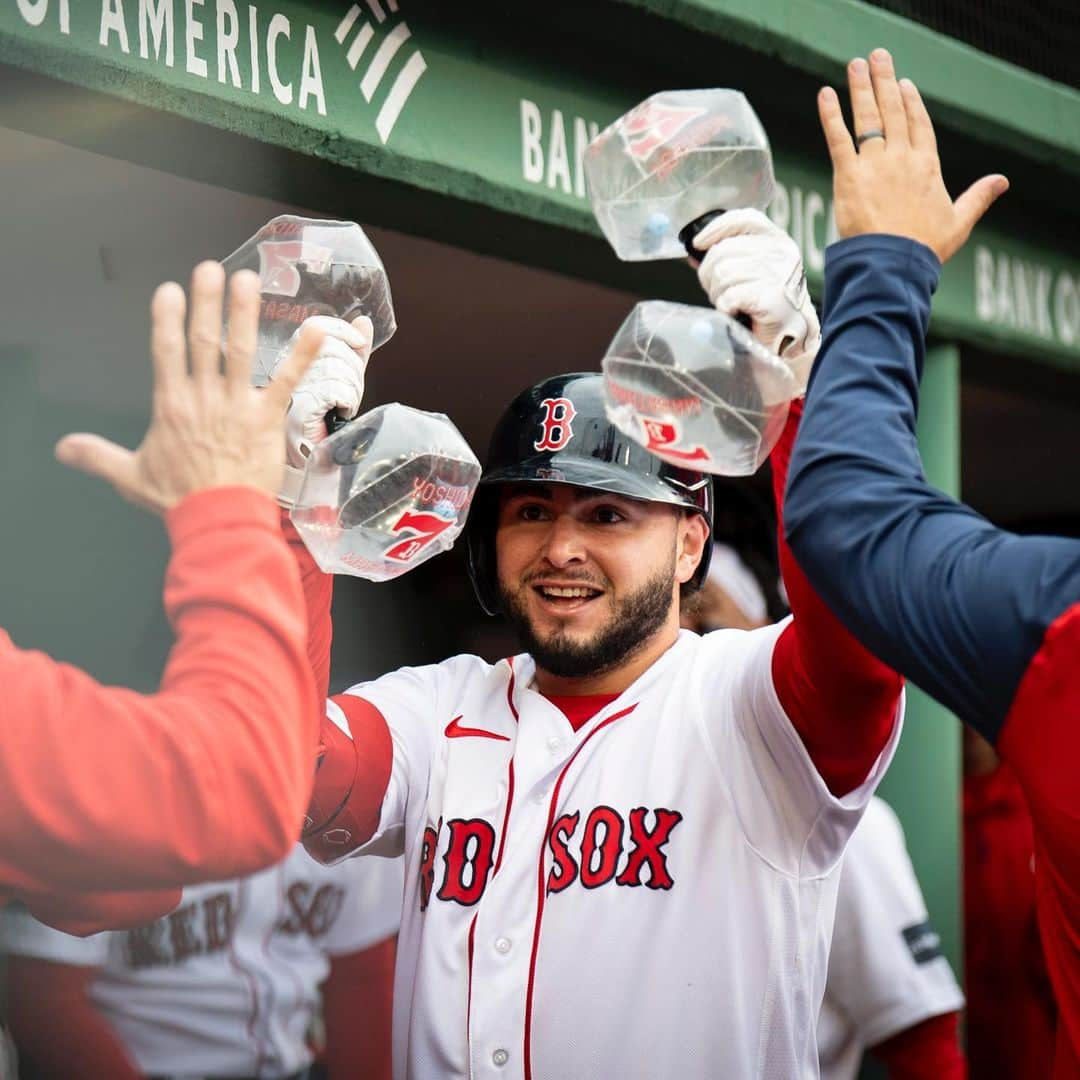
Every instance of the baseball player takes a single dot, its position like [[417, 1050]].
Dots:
[[987, 622], [103, 788], [889, 990], [622, 845], [228, 985]]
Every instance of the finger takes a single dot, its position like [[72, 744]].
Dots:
[[291, 370], [920, 126], [740, 299], [887, 92], [244, 297], [743, 222], [837, 137], [365, 328], [734, 260], [339, 328], [865, 114], [97, 456], [204, 330], [168, 309], [975, 202]]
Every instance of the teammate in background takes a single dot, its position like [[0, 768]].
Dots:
[[611, 833], [889, 991], [986, 621], [227, 986], [1011, 1016], [103, 788], [730, 598]]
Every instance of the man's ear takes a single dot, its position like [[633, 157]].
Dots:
[[693, 536]]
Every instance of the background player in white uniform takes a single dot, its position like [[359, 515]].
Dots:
[[225, 986], [622, 846], [887, 975], [889, 990]]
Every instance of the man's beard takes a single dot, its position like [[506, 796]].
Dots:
[[632, 623]]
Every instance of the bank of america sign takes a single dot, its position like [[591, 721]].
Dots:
[[379, 49]]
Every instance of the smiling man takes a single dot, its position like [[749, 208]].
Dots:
[[622, 846]]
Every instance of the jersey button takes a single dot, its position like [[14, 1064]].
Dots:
[[502, 945], [554, 743], [500, 1057]]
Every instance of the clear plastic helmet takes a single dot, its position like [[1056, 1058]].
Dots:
[[311, 267], [657, 174], [695, 388]]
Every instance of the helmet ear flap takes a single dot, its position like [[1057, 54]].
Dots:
[[706, 509], [480, 548]]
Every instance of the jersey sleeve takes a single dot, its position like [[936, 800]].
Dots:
[[374, 890], [104, 788], [931, 587], [377, 744], [23, 935], [886, 970], [784, 806]]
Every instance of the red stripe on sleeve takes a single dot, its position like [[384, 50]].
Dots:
[[927, 1051], [351, 781]]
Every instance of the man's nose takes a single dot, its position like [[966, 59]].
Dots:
[[565, 542]]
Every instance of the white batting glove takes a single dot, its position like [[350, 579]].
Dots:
[[753, 267], [334, 382]]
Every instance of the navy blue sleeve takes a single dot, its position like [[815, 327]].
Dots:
[[936, 591]]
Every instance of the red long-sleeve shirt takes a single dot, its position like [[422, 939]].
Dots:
[[104, 790]]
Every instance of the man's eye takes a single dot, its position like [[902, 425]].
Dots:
[[532, 512], [607, 515]]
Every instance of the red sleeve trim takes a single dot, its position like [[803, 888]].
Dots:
[[928, 1051], [352, 776]]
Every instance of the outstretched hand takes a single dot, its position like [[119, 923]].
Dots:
[[888, 179], [209, 427]]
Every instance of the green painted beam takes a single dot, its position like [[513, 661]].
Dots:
[[487, 120], [969, 90]]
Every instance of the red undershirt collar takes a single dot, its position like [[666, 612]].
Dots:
[[581, 708]]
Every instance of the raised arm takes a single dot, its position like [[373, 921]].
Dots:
[[934, 589], [102, 788], [841, 700], [928, 584]]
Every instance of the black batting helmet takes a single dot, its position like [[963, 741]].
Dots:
[[557, 432]]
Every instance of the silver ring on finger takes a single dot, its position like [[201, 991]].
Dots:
[[866, 136]]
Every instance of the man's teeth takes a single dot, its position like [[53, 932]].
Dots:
[[568, 593]]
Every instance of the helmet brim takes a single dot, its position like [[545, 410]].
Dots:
[[597, 476]]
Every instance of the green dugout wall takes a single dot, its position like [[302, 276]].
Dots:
[[466, 123]]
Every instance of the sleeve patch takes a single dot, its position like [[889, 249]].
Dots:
[[923, 942]]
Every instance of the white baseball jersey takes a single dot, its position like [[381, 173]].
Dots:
[[886, 970], [227, 985], [649, 897]]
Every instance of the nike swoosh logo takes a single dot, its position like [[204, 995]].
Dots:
[[454, 730]]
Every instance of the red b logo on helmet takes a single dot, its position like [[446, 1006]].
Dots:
[[555, 429]]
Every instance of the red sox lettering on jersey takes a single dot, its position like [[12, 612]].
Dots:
[[681, 841], [589, 855]]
